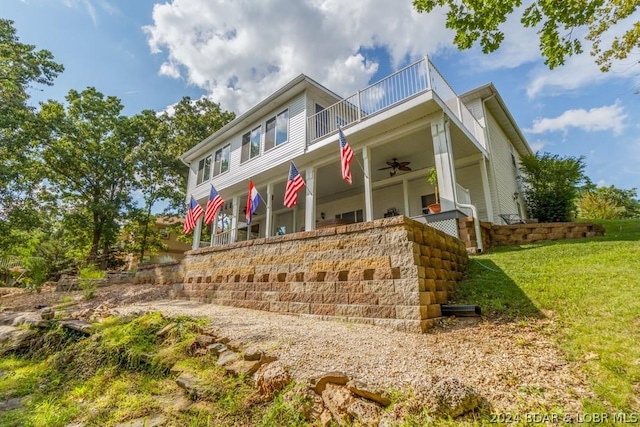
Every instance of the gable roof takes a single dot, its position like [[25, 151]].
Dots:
[[496, 105], [286, 92]]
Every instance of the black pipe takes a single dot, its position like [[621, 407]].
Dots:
[[460, 310]]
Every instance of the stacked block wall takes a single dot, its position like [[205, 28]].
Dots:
[[393, 272], [518, 234], [160, 274]]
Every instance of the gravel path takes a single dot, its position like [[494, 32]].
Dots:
[[516, 367]]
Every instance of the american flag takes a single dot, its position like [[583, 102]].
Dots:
[[215, 202], [346, 155], [294, 184], [193, 213]]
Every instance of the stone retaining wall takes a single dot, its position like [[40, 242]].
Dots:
[[160, 274], [518, 234], [393, 272]]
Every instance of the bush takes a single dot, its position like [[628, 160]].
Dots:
[[88, 278], [608, 203], [551, 186]]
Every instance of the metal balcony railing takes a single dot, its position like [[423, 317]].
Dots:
[[410, 81]]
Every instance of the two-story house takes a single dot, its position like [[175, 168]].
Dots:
[[400, 128]]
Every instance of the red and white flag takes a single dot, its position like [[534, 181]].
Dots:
[[213, 205], [193, 213]]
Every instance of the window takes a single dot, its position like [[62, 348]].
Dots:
[[251, 144], [221, 160], [276, 130], [204, 170], [353, 216], [164, 233]]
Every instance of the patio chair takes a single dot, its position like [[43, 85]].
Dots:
[[511, 219]]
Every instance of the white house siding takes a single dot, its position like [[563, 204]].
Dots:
[[417, 188], [469, 177], [339, 206], [475, 106], [295, 146], [505, 173], [386, 198]]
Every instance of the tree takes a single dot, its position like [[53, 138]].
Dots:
[[551, 185], [475, 21], [608, 203], [21, 66], [87, 150]]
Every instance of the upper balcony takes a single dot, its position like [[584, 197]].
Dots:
[[413, 80]]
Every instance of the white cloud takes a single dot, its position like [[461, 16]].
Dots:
[[537, 145], [610, 117], [91, 9], [241, 51]]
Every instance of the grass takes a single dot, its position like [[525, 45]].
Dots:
[[121, 374], [589, 287]]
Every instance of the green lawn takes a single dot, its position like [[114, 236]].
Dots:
[[591, 288]]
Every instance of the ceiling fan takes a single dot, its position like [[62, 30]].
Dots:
[[395, 166]]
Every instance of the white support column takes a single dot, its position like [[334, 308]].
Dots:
[[235, 209], [269, 219], [310, 202], [295, 215], [214, 226], [444, 163], [405, 196], [485, 188], [368, 192], [196, 233]]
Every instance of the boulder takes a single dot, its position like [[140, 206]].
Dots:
[[365, 413], [305, 401], [216, 349], [47, 313], [204, 340], [271, 378], [337, 400], [451, 398], [242, 367]]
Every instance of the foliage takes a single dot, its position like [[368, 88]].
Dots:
[[480, 21], [88, 278], [587, 288], [608, 203], [551, 185]]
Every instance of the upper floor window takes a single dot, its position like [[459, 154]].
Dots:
[[204, 170], [251, 144], [276, 130], [221, 160]]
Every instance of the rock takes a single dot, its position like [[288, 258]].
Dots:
[[451, 398], [363, 390], [223, 340], [227, 357], [204, 340], [176, 401], [216, 349], [30, 317], [271, 378], [235, 345], [325, 418], [162, 333], [175, 370], [305, 401], [365, 413], [334, 377], [243, 367], [252, 353], [16, 339], [190, 383], [337, 400], [12, 403], [77, 325], [47, 313]]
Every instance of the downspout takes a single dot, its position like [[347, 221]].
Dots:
[[457, 204], [490, 150]]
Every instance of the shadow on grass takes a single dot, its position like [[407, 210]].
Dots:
[[495, 292]]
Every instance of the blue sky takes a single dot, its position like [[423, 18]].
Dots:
[[150, 54]]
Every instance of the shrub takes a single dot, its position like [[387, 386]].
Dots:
[[88, 278], [551, 185]]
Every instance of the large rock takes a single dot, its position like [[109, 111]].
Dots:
[[305, 401], [271, 378], [337, 400], [365, 413], [227, 357], [14, 339], [451, 398], [242, 367]]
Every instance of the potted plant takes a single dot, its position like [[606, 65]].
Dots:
[[432, 178]]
